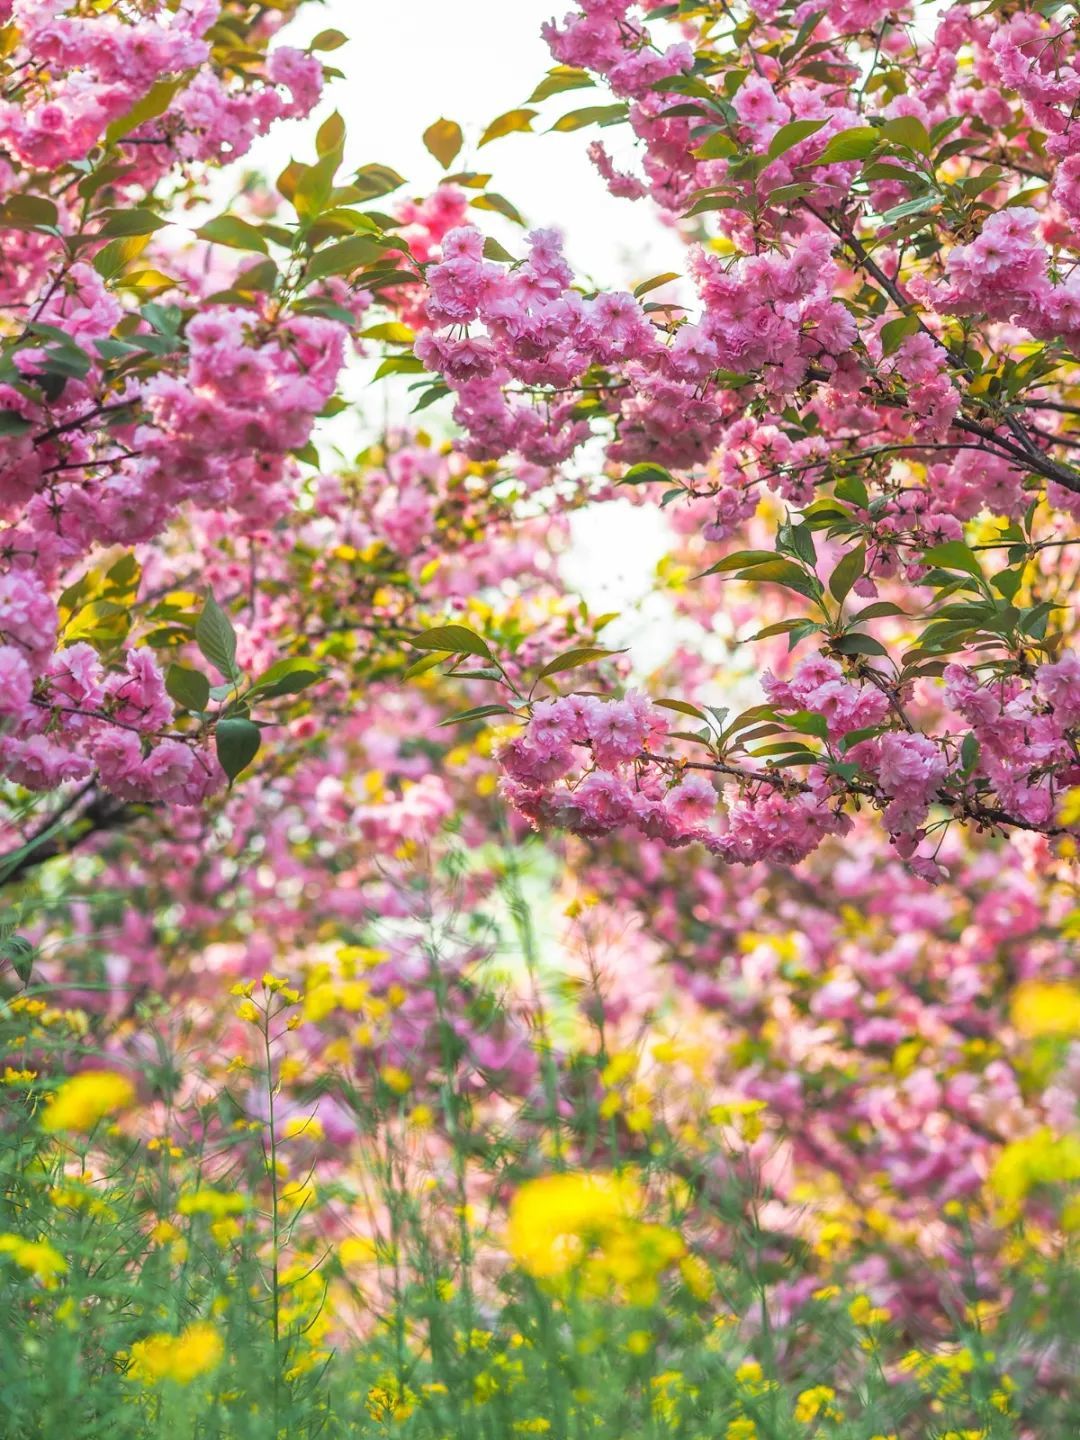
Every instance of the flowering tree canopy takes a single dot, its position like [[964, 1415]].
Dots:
[[877, 354], [359, 873], [844, 375]]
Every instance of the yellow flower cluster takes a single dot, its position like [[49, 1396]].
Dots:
[[816, 1404], [35, 1256], [389, 1400], [1046, 1007], [590, 1224], [48, 1017], [216, 1203], [182, 1358], [84, 1100], [1040, 1159]]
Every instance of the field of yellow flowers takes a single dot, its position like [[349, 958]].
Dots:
[[608, 1261]]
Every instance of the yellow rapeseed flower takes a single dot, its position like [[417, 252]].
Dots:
[[182, 1358], [554, 1219], [816, 1403], [307, 1127], [864, 1312], [397, 1080], [35, 1256], [216, 1203], [85, 1099], [357, 1250], [1069, 808], [1050, 1007], [1040, 1159]]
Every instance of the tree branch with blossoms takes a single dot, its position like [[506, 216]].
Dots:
[[882, 341]]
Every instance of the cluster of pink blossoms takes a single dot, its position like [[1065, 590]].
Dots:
[[795, 197], [819, 685], [772, 314], [103, 444], [592, 765], [90, 70], [78, 721], [616, 741], [1005, 275], [215, 433], [1026, 736]]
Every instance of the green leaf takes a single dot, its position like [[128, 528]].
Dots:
[[22, 210], [232, 231], [808, 723], [852, 489], [855, 144], [426, 662], [513, 120], [430, 396], [154, 103], [315, 185], [590, 115], [392, 331], [910, 131], [654, 283], [570, 659], [330, 136], [131, 222], [500, 205], [784, 572], [328, 40], [453, 640], [802, 542], [895, 332], [494, 251], [878, 609], [849, 568], [969, 753], [20, 954], [1008, 582], [237, 742], [563, 77], [644, 473], [719, 202], [851, 738], [778, 627], [343, 257], [791, 134], [114, 257], [187, 687], [806, 29], [854, 643], [717, 147], [386, 279], [683, 707], [910, 207], [12, 424], [954, 555], [375, 180], [795, 748], [216, 638], [286, 677], [738, 560], [478, 712], [444, 140], [1035, 620], [400, 365]]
